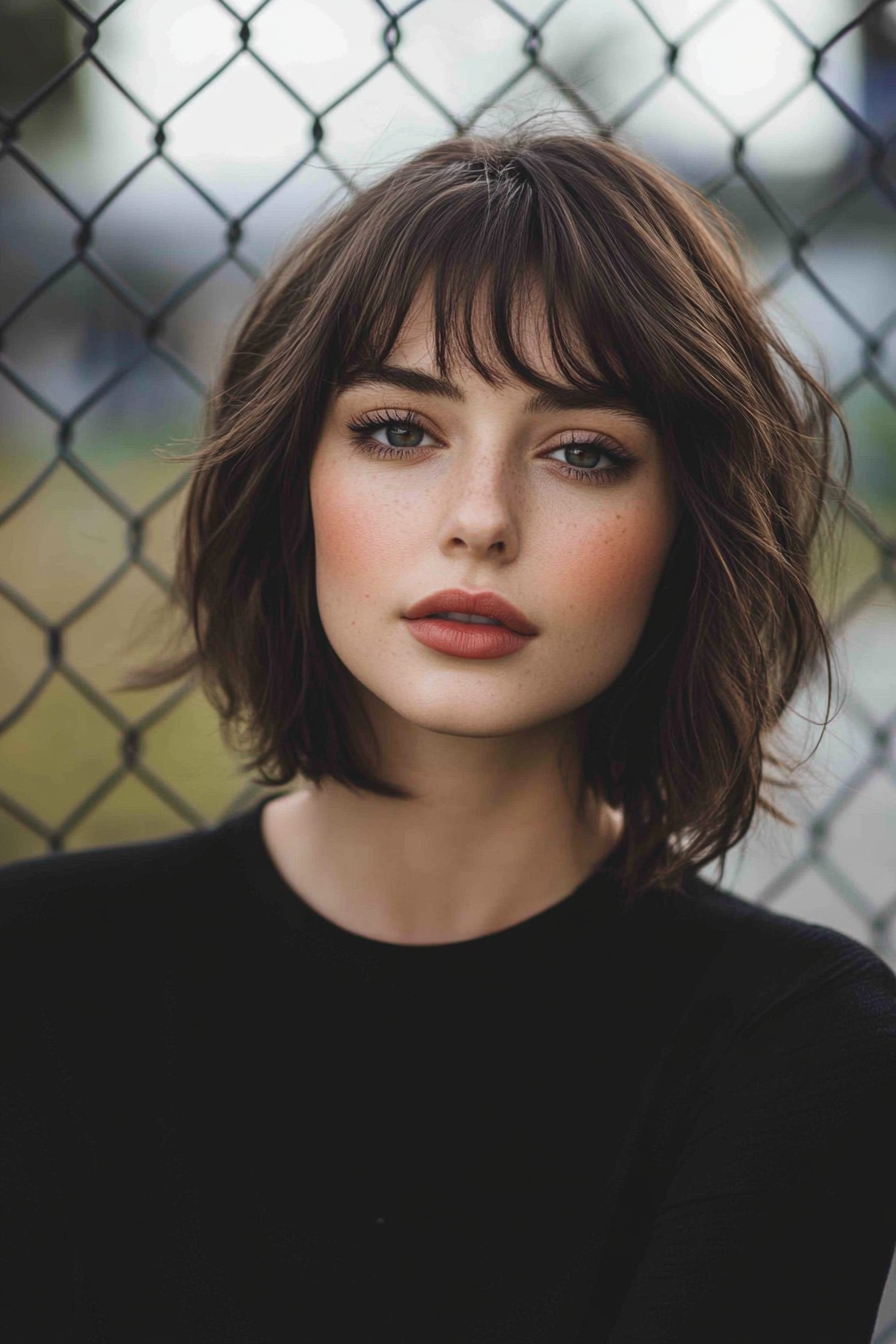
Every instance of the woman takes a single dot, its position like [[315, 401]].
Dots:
[[499, 541]]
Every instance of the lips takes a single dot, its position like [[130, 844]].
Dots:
[[478, 603]]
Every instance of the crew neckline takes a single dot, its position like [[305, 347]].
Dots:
[[600, 890]]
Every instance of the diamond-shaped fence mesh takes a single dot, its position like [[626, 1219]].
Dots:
[[156, 152], [155, 155]]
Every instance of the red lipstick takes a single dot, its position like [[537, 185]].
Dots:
[[428, 623]]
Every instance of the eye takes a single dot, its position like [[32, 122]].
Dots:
[[586, 455], [389, 435], [400, 434]]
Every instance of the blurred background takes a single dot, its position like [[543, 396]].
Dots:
[[155, 156], [157, 153]]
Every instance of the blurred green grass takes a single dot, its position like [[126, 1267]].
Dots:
[[54, 552], [63, 543]]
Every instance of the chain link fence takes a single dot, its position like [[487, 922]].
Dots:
[[154, 155]]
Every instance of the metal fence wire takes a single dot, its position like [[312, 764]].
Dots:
[[825, 241], [844, 849]]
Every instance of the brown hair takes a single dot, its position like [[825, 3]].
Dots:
[[645, 290]]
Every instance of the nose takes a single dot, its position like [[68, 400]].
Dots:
[[481, 513]]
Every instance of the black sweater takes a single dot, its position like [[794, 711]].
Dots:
[[225, 1118]]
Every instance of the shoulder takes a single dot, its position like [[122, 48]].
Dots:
[[768, 1020], [100, 942], [775, 975], [740, 965], [758, 935], [70, 895]]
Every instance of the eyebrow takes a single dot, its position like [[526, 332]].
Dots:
[[427, 384]]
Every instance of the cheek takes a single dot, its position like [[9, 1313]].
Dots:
[[351, 542], [610, 566]]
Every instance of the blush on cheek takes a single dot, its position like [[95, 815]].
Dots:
[[348, 529], [626, 561]]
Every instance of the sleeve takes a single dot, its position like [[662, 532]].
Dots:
[[778, 1222]]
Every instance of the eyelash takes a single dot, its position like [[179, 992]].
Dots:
[[365, 424]]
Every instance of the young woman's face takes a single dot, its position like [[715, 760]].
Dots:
[[569, 514]]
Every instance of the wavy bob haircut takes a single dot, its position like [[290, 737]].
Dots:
[[646, 292]]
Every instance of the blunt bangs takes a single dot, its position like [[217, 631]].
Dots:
[[488, 254]]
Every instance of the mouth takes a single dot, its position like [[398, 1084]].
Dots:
[[472, 607], [461, 636], [467, 618]]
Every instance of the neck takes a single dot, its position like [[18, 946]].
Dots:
[[491, 836]]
